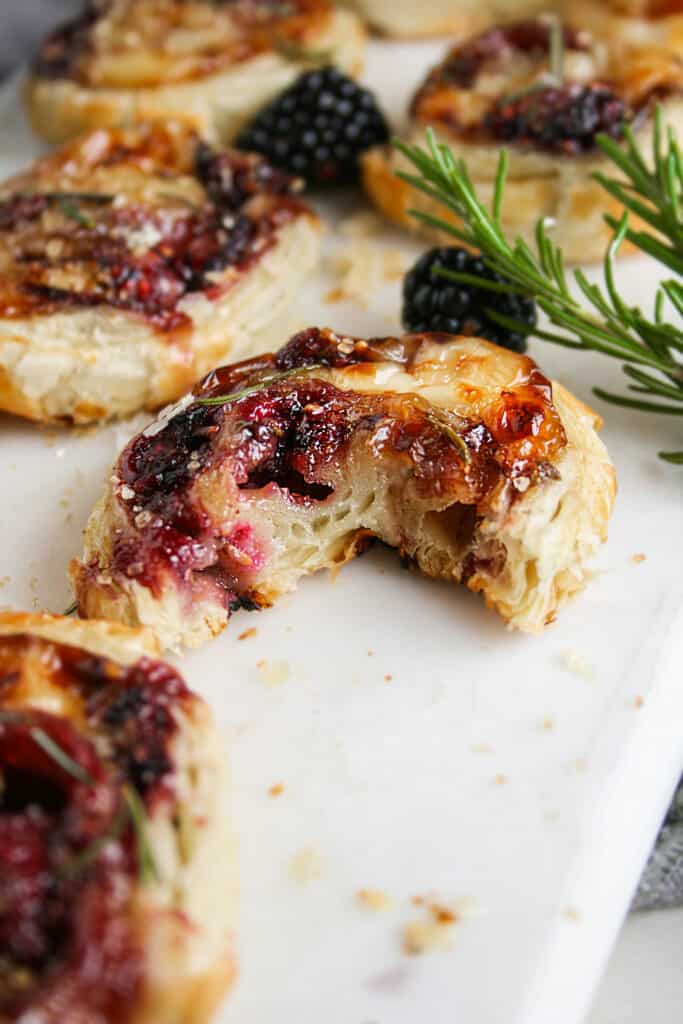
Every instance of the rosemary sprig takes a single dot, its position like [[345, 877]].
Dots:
[[649, 346], [273, 378], [71, 610]]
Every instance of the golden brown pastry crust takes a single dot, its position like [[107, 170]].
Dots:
[[455, 451], [412, 18], [555, 185], [175, 955], [211, 65], [132, 261], [656, 23]]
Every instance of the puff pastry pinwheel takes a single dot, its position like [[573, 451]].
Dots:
[[460, 454], [443, 17], [213, 63], [134, 260], [117, 868], [633, 22], [495, 91]]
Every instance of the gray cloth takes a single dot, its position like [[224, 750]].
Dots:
[[661, 884], [22, 24]]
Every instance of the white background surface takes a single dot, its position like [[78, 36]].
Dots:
[[484, 772]]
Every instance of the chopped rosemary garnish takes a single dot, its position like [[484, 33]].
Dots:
[[98, 198], [147, 866], [557, 50], [71, 210], [252, 389], [92, 851], [71, 610], [60, 757], [650, 346], [133, 808], [439, 419]]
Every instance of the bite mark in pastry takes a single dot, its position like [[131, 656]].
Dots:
[[494, 91], [116, 859], [460, 454], [132, 261], [211, 63]]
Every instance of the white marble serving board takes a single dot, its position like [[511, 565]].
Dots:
[[423, 750]]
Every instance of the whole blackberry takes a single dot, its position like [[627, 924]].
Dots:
[[317, 128], [433, 303], [563, 119]]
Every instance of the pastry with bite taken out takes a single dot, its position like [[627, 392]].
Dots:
[[461, 455]]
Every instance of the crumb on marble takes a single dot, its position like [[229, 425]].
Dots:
[[307, 865], [273, 673], [576, 663], [374, 899]]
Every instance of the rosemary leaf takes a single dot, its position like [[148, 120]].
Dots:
[[265, 382], [147, 866], [71, 210], [60, 757], [90, 854], [439, 419]]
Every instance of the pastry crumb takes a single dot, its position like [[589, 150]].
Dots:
[[374, 899], [248, 633], [501, 780], [388, 677], [638, 558], [548, 724], [436, 932], [273, 673], [364, 224], [638, 702], [577, 664], [362, 268], [424, 936], [481, 748], [307, 865], [276, 790], [572, 914]]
